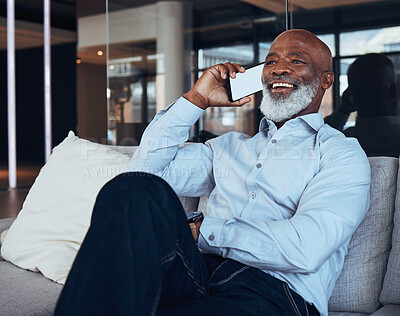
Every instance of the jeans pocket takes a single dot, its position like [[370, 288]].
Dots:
[[226, 271]]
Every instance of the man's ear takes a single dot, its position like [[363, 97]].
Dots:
[[327, 80]]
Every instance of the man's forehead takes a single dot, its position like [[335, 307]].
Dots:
[[297, 41], [296, 36], [305, 43], [302, 54], [292, 45]]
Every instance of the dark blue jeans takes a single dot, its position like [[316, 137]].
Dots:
[[139, 258]]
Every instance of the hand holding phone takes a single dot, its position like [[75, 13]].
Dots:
[[245, 83], [210, 88]]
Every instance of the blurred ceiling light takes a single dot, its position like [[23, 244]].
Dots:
[[78, 61], [100, 53]]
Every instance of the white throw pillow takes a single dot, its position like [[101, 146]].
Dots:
[[56, 214]]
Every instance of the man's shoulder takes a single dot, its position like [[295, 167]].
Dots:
[[337, 148], [331, 137], [327, 132]]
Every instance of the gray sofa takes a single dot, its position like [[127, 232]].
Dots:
[[369, 283]]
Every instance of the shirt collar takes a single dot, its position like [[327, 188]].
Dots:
[[265, 124], [314, 120]]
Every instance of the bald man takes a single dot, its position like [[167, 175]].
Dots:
[[282, 205]]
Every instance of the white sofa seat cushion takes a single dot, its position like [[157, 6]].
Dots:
[[24, 292]]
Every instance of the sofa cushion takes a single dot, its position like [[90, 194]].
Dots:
[[189, 204], [388, 310], [346, 314], [360, 282], [203, 205], [24, 292], [391, 285], [56, 214], [5, 223]]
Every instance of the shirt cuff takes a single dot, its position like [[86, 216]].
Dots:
[[185, 111], [210, 235]]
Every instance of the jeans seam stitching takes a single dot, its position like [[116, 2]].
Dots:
[[294, 302], [179, 250], [156, 301], [168, 257], [290, 298], [200, 288], [230, 277], [305, 304], [221, 264]]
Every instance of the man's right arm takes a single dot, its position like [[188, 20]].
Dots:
[[187, 169]]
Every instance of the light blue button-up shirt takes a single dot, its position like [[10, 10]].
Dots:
[[286, 201]]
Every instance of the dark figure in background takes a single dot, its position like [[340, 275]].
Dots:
[[373, 93]]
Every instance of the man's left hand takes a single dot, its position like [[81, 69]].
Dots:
[[195, 228]]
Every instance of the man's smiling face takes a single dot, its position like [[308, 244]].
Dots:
[[295, 75], [284, 72]]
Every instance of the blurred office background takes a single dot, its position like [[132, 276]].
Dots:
[[115, 63]]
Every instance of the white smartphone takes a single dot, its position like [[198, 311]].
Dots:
[[245, 83]]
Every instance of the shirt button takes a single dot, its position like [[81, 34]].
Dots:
[[273, 141], [258, 165], [252, 195], [211, 237]]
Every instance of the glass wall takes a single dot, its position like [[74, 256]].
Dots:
[[354, 44], [29, 124], [143, 78], [149, 60], [131, 91]]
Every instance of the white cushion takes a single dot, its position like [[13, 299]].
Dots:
[[56, 214]]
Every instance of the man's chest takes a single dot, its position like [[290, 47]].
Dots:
[[272, 176]]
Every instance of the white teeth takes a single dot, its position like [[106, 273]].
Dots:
[[282, 84]]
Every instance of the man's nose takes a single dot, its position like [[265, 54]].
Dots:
[[281, 68]]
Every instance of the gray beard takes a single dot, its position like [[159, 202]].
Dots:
[[278, 109]]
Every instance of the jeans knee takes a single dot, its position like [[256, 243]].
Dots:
[[138, 197], [123, 195], [128, 182], [135, 185]]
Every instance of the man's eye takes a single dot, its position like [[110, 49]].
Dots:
[[270, 62], [296, 61]]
